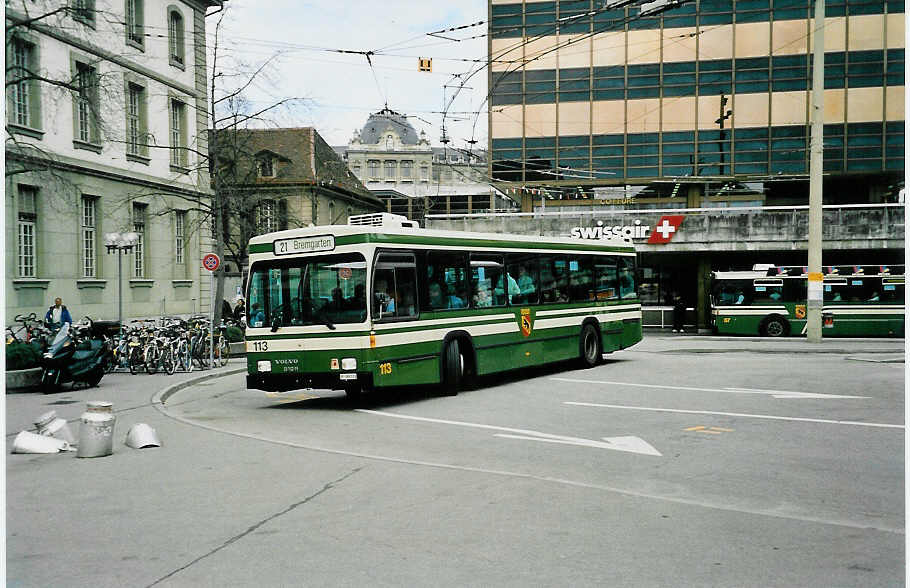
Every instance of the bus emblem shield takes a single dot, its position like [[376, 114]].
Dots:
[[526, 322], [800, 311]]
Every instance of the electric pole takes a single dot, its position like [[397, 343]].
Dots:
[[816, 151]]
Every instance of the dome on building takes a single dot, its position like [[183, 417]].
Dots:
[[388, 120]]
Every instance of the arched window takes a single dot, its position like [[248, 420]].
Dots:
[[175, 40], [389, 143]]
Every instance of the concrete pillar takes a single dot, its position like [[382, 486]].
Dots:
[[693, 196], [703, 302], [527, 203], [470, 204]]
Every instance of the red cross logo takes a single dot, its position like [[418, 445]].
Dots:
[[665, 228]]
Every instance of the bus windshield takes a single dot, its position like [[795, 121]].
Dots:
[[301, 291]]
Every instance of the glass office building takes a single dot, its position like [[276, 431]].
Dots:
[[582, 94]]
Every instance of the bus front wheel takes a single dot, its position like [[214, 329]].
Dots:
[[453, 368], [590, 346], [775, 326]]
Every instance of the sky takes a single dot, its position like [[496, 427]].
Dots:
[[339, 91]]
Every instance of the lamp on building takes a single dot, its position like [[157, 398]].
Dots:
[[120, 243]]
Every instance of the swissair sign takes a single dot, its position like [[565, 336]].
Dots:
[[662, 232]]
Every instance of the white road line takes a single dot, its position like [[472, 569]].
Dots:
[[774, 393], [740, 414], [627, 444]]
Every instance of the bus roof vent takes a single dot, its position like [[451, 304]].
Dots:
[[381, 219]]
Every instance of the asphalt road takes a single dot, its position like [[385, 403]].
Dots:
[[687, 461]]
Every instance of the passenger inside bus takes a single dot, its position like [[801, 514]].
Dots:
[[525, 283], [439, 300], [384, 301], [874, 297], [513, 287], [738, 297]]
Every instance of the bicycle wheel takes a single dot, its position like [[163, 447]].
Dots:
[[223, 352], [184, 359], [204, 347], [135, 361], [151, 359], [168, 361]]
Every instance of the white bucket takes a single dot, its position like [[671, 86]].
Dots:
[[26, 442]]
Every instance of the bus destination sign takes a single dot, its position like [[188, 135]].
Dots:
[[304, 245]]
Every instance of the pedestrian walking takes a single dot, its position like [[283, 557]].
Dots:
[[679, 313]]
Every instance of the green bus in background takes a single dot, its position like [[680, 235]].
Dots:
[[859, 301], [380, 302]]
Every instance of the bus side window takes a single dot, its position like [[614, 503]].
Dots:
[[607, 285], [394, 286], [893, 293], [523, 267], [547, 280], [447, 279], [627, 277], [581, 278], [488, 281]]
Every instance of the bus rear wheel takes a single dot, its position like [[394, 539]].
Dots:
[[453, 368], [591, 351], [775, 326]]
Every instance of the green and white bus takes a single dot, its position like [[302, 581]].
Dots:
[[379, 303], [858, 301]]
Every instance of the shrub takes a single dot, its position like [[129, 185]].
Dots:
[[21, 356], [233, 334]]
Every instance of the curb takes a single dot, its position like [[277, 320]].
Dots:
[[162, 396]]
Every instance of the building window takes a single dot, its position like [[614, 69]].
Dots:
[[268, 216], [28, 216], [390, 171], [139, 251], [179, 235], [86, 103], [406, 169], [356, 170], [374, 169], [88, 237], [22, 65], [134, 132], [135, 19], [178, 133], [424, 173], [266, 167], [389, 143], [84, 11], [175, 38]]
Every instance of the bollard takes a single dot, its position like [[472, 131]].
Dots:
[[96, 430], [50, 426]]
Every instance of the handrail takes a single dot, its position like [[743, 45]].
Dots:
[[729, 209]]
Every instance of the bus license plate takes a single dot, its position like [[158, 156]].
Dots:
[[348, 376]]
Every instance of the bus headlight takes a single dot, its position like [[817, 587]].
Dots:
[[264, 366], [349, 363]]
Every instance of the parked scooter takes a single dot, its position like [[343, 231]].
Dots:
[[74, 356]]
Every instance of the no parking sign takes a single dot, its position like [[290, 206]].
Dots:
[[211, 262]]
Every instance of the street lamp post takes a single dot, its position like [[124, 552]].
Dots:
[[120, 243]]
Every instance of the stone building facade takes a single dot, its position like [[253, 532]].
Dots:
[[106, 116]]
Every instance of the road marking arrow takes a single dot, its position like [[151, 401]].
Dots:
[[627, 444], [774, 393]]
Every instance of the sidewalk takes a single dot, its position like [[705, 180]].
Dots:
[[126, 391], [665, 341]]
